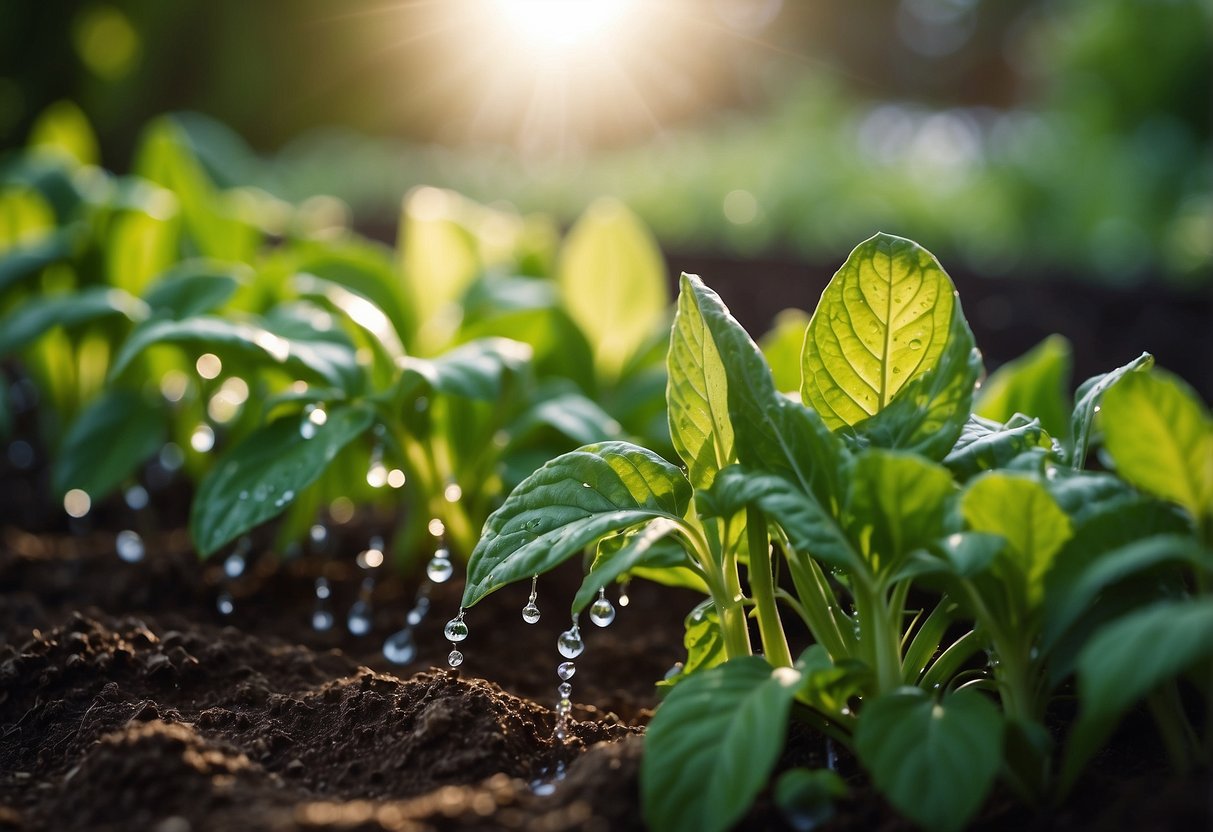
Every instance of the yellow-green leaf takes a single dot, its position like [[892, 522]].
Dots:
[[882, 321], [612, 279], [1160, 436]]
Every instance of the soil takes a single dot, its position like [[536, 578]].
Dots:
[[128, 702]]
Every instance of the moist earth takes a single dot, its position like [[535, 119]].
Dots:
[[128, 702]]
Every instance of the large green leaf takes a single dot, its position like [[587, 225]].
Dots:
[[28, 260], [934, 761], [771, 432], [697, 392], [1128, 659], [1086, 405], [194, 287], [713, 743], [38, 315], [332, 362], [117, 432], [883, 320], [612, 279], [928, 415], [569, 503], [1160, 436], [895, 504], [1023, 512], [1035, 384], [569, 414], [259, 477]]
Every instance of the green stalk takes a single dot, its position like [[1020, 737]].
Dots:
[[726, 593], [879, 637], [770, 628]]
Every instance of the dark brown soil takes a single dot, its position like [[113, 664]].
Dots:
[[128, 702]]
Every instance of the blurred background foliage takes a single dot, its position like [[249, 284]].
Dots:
[[1011, 137]]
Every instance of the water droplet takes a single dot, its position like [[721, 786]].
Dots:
[[233, 565], [359, 619], [455, 629], [565, 690], [136, 497], [243, 495], [439, 569], [288, 495], [624, 600], [372, 556], [570, 644], [225, 603], [322, 589], [452, 493], [130, 546], [915, 344], [530, 613], [454, 658], [602, 611], [566, 670], [586, 485], [400, 647], [565, 705], [307, 429], [202, 439], [675, 670], [322, 621]]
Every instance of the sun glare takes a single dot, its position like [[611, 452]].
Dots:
[[562, 23]]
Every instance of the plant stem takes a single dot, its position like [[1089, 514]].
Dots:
[[726, 593], [770, 628], [879, 638]]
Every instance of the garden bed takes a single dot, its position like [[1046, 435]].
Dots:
[[128, 702]]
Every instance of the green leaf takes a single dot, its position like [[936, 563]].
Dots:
[[615, 563], [29, 321], [772, 432], [697, 392], [928, 414], [329, 361], [478, 370], [713, 743], [1128, 659], [811, 530], [984, 445], [28, 260], [571, 415], [1036, 383], [259, 477], [612, 279], [1023, 512], [883, 320], [895, 504], [1075, 585], [569, 503], [194, 287], [782, 346], [116, 433], [704, 643], [1160, 436], [935, 762], [1086, 402], [64, 129]]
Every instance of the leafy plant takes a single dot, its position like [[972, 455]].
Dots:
[[917, 537]]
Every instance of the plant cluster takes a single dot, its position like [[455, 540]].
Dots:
[[957, 565], [298, 366]]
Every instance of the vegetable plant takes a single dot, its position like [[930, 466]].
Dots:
[[954, 570]]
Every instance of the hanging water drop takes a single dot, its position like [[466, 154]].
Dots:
[[454, 658], [400, 647], [233, 565], [566, 670], [376, 473], [624, 600], [570, 644], [360, 617], [530, 613], [420, 607], [372, 556], [440, 569], [455, 629], [129, 546], [565, 690], [225, 603], [322, 616], [602, 611], [136, 497]]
